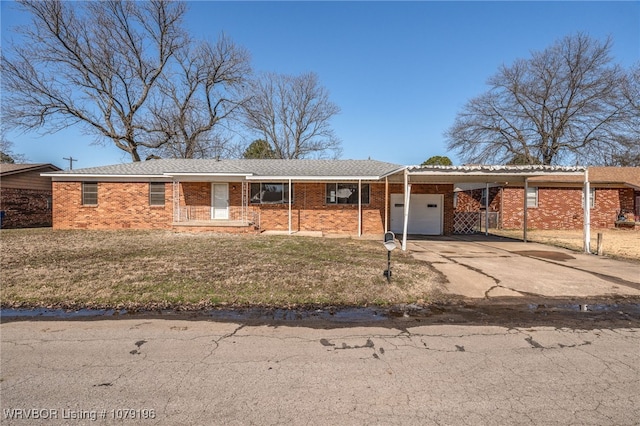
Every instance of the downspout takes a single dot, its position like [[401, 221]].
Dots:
[[587, 213], [486, 211], [526, 188], [407, 197], [290, 232], [359, 207]]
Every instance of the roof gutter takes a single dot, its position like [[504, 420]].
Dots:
[[313, 178]]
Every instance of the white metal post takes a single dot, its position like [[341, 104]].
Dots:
[[386, 204], [526, 190], [587, 213], [359, 207], [290, 231], [486, 210], [407, 197]]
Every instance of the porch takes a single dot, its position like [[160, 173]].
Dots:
[[220, 205]]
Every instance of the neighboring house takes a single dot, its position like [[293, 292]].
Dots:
[[556, 202], [354, 197], [25, 195]]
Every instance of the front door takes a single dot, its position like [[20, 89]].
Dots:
[[220, 201]]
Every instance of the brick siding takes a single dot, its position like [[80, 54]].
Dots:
[[121, 205], [126, 205], [310, 212], [561, 208], [470, 201], [25, 208]]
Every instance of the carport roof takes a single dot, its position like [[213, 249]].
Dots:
[[486, 173]]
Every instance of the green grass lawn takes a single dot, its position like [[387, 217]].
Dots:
[[162, 269]]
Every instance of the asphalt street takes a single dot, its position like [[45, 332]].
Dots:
[[174, 371], [531, 335]]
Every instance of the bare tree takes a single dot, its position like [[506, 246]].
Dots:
[[6, 150], [292, 114], [91, 63], [195, 97], [627, 135], [558, 107]]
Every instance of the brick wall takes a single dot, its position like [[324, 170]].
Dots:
[[25, 208], [121, 205], [310, 212], [561, 208], [470, 201], [126, 205]]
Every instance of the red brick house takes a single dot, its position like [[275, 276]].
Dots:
[[355, 197], [25, 195], [556, 202], [228, 196]]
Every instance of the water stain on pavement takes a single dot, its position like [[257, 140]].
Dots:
[[498, 311], [544, 254]]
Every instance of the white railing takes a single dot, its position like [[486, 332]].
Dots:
[[184, 214]]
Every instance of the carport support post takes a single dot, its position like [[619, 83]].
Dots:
[[486, 211], [586, 206], [526, 190], [407, 197], [290, 232], [359, 207], [386, 204]]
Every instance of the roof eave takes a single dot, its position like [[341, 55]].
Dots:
[[311, 178]]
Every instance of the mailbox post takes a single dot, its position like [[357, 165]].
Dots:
[[389, 244]]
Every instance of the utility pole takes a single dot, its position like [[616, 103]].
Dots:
[[71, 160]]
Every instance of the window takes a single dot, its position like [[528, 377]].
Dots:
[[532, 197], [156, 193], [270, 193], [346, 193], [90, 193], [592, 198]]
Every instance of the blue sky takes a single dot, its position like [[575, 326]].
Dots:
[[400, 71]]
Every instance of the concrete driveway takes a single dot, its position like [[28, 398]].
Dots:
[[486, 267]]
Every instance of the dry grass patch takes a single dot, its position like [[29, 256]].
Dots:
[[150, 269], [618, 243]]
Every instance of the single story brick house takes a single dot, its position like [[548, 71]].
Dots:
[[25, 195], [277, 195], [355, 197], [556, 202], [228, 195]]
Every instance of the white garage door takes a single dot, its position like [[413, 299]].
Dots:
[[425, 214]]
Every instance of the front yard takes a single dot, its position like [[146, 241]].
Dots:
[[161, 269]]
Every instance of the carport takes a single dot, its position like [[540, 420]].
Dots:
[[489, 175]]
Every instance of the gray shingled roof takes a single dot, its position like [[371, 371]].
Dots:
[[9, 168], [254, 168]]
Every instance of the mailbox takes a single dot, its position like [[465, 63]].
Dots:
[[390, 244], [389, 241]]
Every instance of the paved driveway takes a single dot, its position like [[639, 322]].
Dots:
[[491, 267]]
